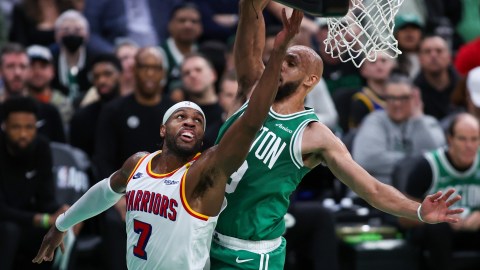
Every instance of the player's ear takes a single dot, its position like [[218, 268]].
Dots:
[[163, 131], [311, 80]]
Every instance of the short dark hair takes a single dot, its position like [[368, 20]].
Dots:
[[199, 55], [107, 58], [19, 104], [398, 78], [11, 47], [184, 5]]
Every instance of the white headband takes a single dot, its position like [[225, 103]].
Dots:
[[184, 104]]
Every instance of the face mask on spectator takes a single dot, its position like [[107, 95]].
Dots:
[[72, 42]]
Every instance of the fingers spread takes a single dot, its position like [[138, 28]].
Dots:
[[454, 200], [448, 194], [434, 197], [455, 211], [451, 220]]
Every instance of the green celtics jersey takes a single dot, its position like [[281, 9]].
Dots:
[[466, 183], [258, 192]]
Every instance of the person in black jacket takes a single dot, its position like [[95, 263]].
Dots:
[[27, 199]]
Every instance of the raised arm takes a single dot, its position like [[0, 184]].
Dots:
[[233, 148], [97, 199], [248, 48], [320, 141], [217, 164]]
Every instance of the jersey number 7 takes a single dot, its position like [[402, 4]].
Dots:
[[145, 230]]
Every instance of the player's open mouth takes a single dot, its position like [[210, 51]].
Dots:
[[187, 135]]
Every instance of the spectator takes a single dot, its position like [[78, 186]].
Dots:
[[107, 21], [371, 96], [184, 28], [15, 70], [14, 64], [127, 125], [198, 79], [468, 57], [408, 32], [72, 56], [41, 75], [106, 72], [386, 137], [437, 78], [337, 74], [465, 97], [219, 18], [27, 200], [228, 92], [216, 53], [144, 24], [33, 21], [456, 166], [126, 51], [468, 27], [473, 86]]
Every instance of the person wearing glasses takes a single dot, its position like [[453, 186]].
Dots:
[[401, 130]]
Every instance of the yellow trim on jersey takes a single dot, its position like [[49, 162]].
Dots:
[[185, 202], [162, 175], [136, 167]]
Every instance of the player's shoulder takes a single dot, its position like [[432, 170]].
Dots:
[[134, 159], [317, 134]]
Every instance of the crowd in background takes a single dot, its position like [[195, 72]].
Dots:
[[101, 74]]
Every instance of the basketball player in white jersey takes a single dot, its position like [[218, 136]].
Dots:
[[175, 195]]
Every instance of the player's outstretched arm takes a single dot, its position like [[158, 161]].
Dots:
[[97, 199], [248, 47], [215, 165], [233, 148], [319, 140]]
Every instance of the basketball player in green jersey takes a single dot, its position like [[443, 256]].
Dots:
[[292, 142]]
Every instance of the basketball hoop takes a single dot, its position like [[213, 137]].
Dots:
[[365, 31]]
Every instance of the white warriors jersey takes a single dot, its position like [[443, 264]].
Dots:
[[163, 232]]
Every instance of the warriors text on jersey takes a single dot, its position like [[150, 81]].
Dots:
[[163, 232], [258, 192]]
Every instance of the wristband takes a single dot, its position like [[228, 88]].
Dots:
[[418, 213], [45, 221]]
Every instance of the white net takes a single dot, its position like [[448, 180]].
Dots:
[[365, 31]]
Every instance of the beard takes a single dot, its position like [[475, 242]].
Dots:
[[114, 92], [37, 89], [183, 152], [287, 89], [18, 151]]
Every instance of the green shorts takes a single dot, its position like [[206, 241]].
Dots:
[[222, 258]]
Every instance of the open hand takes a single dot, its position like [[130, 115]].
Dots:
[[51, 241], [291, 27], [436, 208]]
